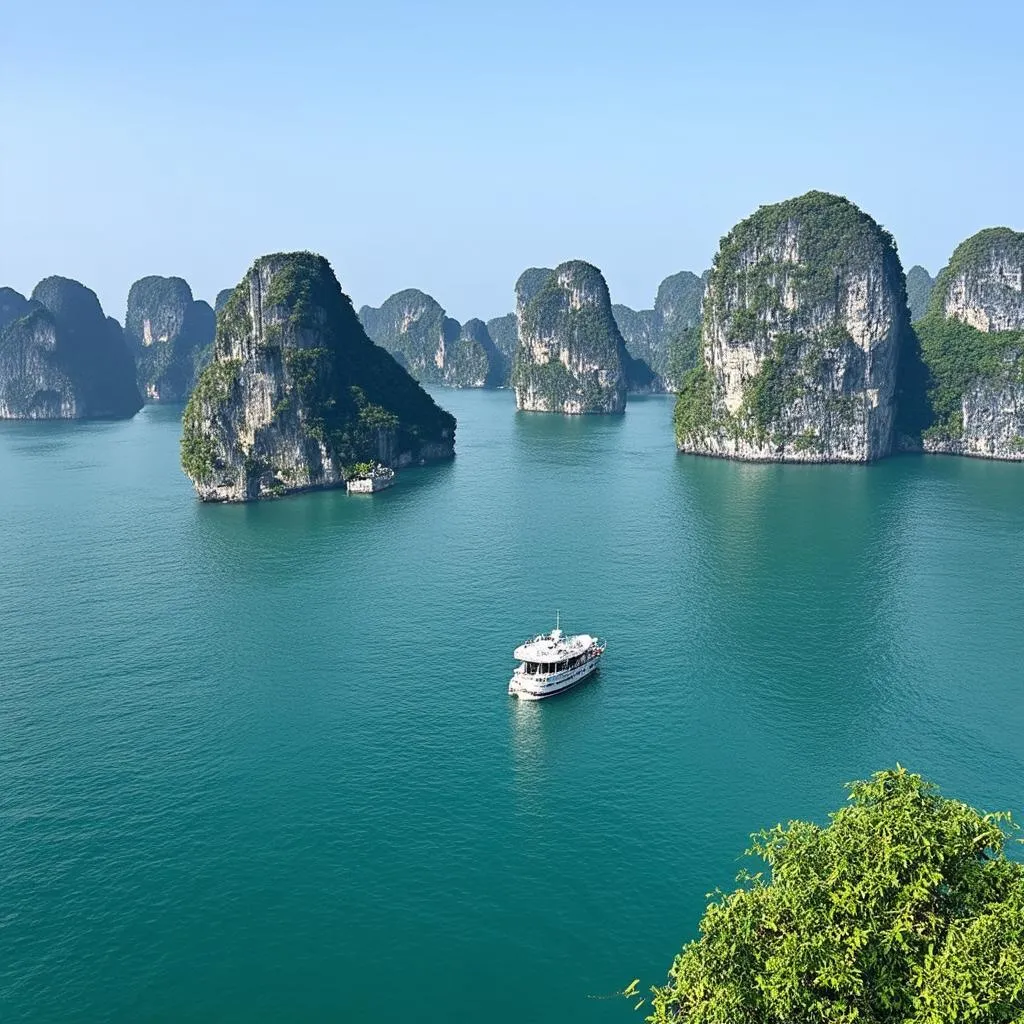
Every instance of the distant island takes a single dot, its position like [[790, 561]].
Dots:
[[919, 289], [61, 357], [297, 396], [666, 337], [433, 347], [571, 357], [805, 342], [171, 335]]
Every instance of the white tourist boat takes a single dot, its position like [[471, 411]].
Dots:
[[552, 663]]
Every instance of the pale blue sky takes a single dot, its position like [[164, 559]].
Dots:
[[449, 145]]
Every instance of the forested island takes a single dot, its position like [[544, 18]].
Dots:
[[297, 394], [803, 330], [571, 357], [804, 342], [666, 337], [972, 340], [807, 351]]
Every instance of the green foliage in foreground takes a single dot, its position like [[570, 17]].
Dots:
[[903, 909]]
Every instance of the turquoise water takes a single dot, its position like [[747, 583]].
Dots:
[[258, 763]]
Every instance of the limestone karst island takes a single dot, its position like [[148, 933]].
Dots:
[[61, 358], [171, 336], [297, 394], [804, 342], [807, 353], [511, 513], [571, 357]]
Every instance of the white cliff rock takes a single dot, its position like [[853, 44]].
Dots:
[[804, 326], [972, 338], [571, 357], [297, 393]]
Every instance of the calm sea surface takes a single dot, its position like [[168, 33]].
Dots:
[[259, 764]]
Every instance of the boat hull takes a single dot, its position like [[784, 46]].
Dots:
[[527, 687]]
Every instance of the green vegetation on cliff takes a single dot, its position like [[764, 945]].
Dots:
[[683, 354], [571, 356], [531, 281], [413, 327], [694, 407], [970, 257], [586, 325], [505, 334], [664, 337], [903, 910], [779, 289], [958, 355], [836, 239], [331, 383], [474, 359], [166, 329], [434, 348], [61, 357], [214, 388]]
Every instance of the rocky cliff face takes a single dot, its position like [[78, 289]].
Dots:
[[12, 306], [571, 357], [435, 349], [474, 361], [804, 329], [413, 327], [167, 330], [638, 328], [61, 358], [222, 299], [505, 334], [972, 339], [919, 290], [665, 337], [297, 393]]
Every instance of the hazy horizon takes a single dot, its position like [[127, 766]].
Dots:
[[449, 149]]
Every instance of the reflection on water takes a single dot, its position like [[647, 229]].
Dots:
[[224, 713], [543, 733], [526, 730]]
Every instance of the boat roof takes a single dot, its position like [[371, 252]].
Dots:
[[553, 646]]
